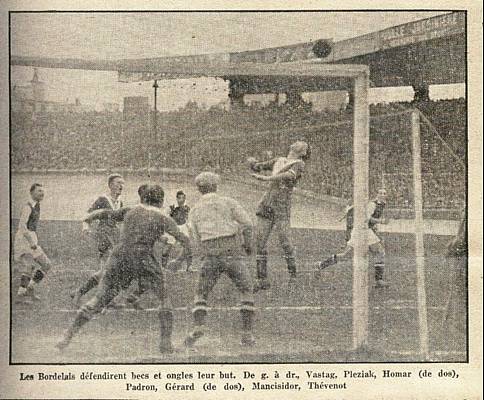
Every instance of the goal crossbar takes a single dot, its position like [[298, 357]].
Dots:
[[167, 70]]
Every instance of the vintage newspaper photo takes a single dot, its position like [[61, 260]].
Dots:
[[247, 202]]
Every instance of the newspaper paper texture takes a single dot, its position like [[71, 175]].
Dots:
[[232, 200]]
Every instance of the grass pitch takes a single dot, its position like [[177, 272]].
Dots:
[[308, 322]]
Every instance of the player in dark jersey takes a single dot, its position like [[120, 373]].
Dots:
[[179, 213], [133, 258], [105, 232], [375, 211], [27, 250], [274, 210]]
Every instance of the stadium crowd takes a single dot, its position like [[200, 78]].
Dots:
[[193, 138]]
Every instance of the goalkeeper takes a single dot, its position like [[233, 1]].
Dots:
[[274, 210]]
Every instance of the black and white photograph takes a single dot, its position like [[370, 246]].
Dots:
[[238, 187]]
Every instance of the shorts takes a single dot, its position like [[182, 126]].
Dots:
[[183, 229], [124, 266], [372, 239], [224, 256], [22, 247]]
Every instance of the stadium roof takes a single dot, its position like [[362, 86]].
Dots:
[[423, 52]]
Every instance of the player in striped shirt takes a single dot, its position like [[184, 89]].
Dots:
[[104, 232], [375, 216], [27, 251]]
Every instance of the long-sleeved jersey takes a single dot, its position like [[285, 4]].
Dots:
[[276, 202], [215, 217], [143, 226], [107, 230]]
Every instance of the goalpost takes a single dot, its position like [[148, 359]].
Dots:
[[361, 141], [419, 235]]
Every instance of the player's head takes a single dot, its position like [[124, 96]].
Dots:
[[152, 195], [207, 182], [37, 192], [180, 197], [300, 149], [381, 195], [142, 189], [115, 184]]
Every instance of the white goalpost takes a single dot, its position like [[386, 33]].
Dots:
[[419, 236], [361, 140]]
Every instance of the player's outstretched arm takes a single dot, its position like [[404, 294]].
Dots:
[[278, 177], [294, 172], [116, 215], [258, 166], [97, 215]]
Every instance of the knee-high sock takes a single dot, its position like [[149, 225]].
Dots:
[[247, 315], [166, 323], [82, 318], [36, 278], [379, 265], [24, 284], [379, 270], [199, 312], [24, 281], [291, 264], [261, 266]]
